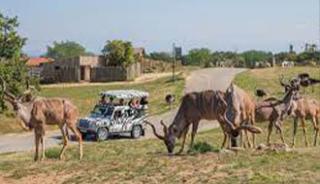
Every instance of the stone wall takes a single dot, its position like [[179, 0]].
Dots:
[[61, 71], [115, 73], [92, 61]]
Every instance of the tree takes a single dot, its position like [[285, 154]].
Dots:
[[10, 42], [253, 56], [12, 67], [119, 53], [200, 57], [65, 49]]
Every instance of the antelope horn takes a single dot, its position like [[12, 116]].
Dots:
[[154, 130], [227, 121], [165, 128]]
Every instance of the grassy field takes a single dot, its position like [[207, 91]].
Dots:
[[146, 161], [129, 161], [85, 97]]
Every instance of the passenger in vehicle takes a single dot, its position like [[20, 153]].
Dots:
[[121, 102], [144, 103], [103, 100], [111, 101]]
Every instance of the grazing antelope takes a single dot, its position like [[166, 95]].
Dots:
[[209, 105], [39, 112]]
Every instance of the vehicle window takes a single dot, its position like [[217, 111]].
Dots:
[[99, 110]]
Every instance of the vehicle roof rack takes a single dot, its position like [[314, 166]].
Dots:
[[125, 94]]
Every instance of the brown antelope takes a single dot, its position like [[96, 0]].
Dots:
[[275, 111], [39, 112], [240, 112], [209, 105], [306, 109]]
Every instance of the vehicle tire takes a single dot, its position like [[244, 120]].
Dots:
[[84, 136], [136, 132], [102, 134]]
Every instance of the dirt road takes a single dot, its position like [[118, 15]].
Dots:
[[211, 78]]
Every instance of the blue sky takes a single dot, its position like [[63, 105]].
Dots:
[[155, 24]]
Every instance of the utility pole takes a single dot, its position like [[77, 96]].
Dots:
[[173, 61]]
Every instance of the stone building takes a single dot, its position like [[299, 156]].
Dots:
[[87, 68]]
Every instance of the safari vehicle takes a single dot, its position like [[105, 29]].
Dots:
[[114, 118]]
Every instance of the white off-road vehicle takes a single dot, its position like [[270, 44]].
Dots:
[[116, 118]]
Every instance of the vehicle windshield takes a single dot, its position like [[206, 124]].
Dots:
[[100, 110]]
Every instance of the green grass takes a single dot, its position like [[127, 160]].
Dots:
[[131, 161], [85, 97]]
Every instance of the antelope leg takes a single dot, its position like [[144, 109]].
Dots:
[[193, 133], [316, 129], [183, 140], [303, 124], [37, 142], [295, 126], [270, 127], [65, 142], [79, 138]]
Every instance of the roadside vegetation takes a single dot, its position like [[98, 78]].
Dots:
[[146, 161]]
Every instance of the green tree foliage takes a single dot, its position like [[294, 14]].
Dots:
[[253, 56], [306, 57], [65, 49], [10, 42], [199, 57], [12, 68], [162, 56], [119, 53]]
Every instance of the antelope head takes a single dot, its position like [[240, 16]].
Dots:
[[168, 138], [22, 109]]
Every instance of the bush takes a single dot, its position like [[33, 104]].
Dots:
[[203, 147]]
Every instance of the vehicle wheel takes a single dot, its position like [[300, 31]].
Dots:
[[84, 136], [102, 134], [136, 132]]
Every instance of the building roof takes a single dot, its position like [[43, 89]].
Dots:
[[36, 61]]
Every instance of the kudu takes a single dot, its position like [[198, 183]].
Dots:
[[306, 109], [194, 107], [209, 105], [240, 114], [39, 112], [275, 111]]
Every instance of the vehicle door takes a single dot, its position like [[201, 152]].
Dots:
[[127, 120], [117, 121]]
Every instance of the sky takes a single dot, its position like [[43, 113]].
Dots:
[[219, 25]]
